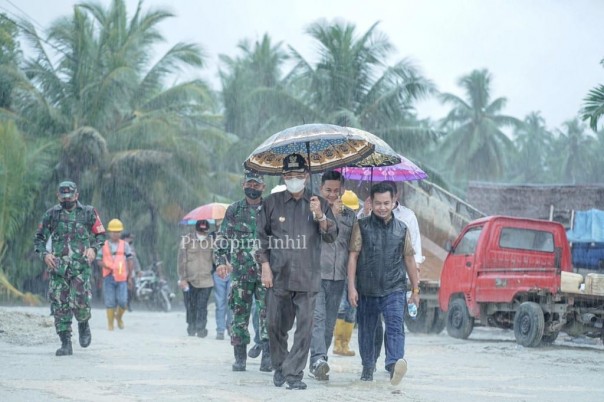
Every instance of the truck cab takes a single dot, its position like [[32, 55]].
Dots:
[[506, 272]]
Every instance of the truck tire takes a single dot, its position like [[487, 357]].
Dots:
[[459, 322], [529, 324]]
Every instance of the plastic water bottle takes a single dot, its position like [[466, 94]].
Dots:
[[412, 310]]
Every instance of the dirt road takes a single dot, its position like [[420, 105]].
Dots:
[[154, 360]]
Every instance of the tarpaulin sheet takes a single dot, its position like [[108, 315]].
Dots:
[[588, 227]]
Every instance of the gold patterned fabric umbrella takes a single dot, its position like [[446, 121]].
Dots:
[[383, 154], [326, 146]]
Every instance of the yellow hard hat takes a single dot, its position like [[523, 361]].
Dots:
[[350, 199], [115, 225]]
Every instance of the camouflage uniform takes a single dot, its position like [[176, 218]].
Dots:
[[72, 232], [236, 243]]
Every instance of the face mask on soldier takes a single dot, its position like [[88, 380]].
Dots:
[[68, 204], [252, 193]]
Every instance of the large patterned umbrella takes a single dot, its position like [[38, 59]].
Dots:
[[383, 154], [326, 146]]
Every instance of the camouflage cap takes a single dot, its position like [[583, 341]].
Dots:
[[251, 175], [67, 189]]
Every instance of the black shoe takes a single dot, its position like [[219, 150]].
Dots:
[[297, 384], [278, 378], [240, 357], [65, 349], [220, 336], [202, 333], [85, 335], [255, 351], [190, 330], [319, 370], [367, 374]]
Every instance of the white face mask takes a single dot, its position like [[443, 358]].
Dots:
[[295, 185]]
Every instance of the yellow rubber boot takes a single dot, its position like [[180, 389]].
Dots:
[[118, 316], [337, 337], [110, 318], [346, 335]]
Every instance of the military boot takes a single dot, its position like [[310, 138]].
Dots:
[[65, 349], [84, 332], [240, 357], [265, 362]]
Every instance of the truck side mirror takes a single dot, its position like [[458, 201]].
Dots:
[[448, 246]]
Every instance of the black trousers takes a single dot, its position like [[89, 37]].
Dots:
[[283, 307], [196, 303]]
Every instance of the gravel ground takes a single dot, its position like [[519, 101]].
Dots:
[[154, 360]]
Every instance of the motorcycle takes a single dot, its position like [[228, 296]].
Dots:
[[153, 290]]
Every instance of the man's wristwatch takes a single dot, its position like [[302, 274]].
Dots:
[[415, 290]]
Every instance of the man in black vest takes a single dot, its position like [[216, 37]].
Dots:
[[380, 253]]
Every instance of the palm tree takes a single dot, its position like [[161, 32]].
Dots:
[[256, 102], [246, 80], [110, 106], [475, 147], [351, 85], [572, 153], [23, 165], [533, 144], [593, 109]]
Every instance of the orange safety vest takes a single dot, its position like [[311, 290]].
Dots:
[[116, 263]]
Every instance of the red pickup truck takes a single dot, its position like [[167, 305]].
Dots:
[[506, 272]]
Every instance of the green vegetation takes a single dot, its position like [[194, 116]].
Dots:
[[91, 101]]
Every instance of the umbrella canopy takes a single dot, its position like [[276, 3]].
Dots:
[[212, 211], [325, 146], [404, 171], [383, 154]]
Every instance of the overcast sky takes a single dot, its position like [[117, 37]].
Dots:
[[543, 54]]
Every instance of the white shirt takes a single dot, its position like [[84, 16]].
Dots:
[[408, 217]]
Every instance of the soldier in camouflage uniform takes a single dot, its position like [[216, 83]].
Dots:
[[234, 253], [76, 234]]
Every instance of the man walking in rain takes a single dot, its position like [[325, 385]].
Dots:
[[234, 254], [77, 234], [292, 224], [334, 260], [194, 269], [380, 253], [407, 216]]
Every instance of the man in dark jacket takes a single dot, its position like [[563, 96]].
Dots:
[[291, 226], [380, 253]]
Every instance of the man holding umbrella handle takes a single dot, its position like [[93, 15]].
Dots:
[[315, 208], [291, 226]]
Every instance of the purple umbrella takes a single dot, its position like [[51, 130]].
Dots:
[[404, 171]]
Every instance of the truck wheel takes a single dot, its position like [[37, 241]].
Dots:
[[529, 324], [549, 338], [459, 322]]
